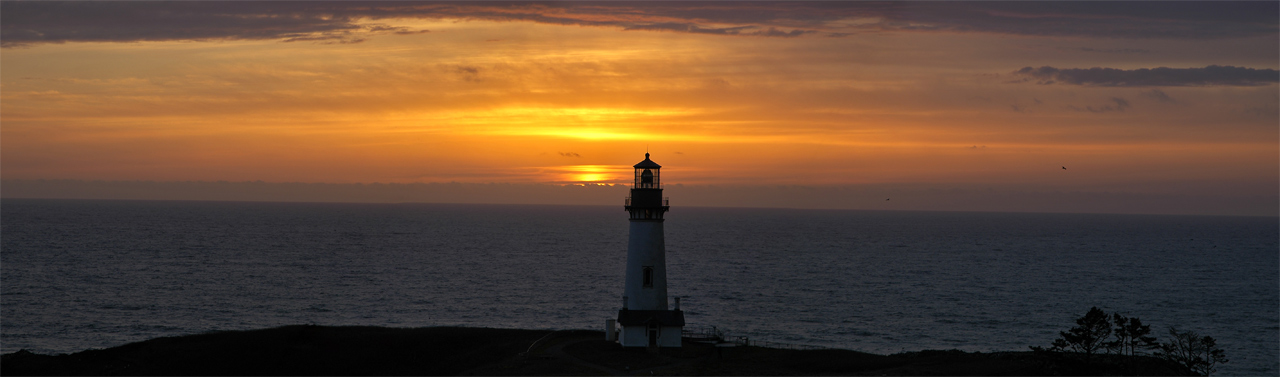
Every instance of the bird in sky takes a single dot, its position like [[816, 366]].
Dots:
[[1064, 168]]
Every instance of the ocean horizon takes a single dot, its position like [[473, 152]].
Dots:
[[81, 274]]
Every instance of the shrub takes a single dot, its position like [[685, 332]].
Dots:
[[1130, 336], [1089, 335], [1200, 354]]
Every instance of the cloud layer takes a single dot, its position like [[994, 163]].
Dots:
[[1213, 75], [26, 23]]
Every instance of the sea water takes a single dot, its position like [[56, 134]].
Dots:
[[78, 274]]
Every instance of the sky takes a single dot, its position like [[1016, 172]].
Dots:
[[1085, 104]]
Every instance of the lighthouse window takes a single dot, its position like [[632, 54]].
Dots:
[[647, 277], [646, 179]]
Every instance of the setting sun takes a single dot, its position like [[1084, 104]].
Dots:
[[588, 173]]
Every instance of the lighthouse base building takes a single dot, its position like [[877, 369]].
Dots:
[[650, 328], [645, 320]]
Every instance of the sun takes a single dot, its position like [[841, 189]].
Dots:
[[598, 174], [592, 177]]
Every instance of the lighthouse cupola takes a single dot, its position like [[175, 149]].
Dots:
[[647, 175], [646, 201]]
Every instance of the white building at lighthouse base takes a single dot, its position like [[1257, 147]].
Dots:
[[650, 328]]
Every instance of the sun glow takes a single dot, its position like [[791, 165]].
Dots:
[[573, 123], [592, 177], [596, 174]]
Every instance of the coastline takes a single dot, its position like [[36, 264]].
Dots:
[[360, 350]]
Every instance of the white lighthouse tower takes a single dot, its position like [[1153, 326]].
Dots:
[[645, 320]]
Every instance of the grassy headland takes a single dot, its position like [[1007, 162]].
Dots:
[[323, 350]]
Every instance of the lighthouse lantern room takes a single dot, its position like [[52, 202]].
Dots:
[[645, 320]]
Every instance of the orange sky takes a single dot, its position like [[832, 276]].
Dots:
[[469, 98]]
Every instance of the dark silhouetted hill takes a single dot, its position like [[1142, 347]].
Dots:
[[321, 350]]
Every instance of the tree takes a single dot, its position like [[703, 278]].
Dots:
[[1088, 336], [1200, 354], [1130, 336]]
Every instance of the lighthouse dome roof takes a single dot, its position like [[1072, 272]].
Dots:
[[647, 163]]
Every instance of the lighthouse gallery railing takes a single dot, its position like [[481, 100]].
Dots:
[[666, 201]]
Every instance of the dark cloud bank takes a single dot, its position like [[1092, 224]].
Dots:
[[1213, 75], [26, 23], [913, 197]]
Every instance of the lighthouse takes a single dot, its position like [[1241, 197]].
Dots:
[[645, 320]]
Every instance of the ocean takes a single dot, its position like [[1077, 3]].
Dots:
[[80, 274]]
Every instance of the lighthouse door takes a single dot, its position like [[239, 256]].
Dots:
[[653, 335]]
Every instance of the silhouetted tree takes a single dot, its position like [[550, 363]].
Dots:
[[1130, 336], [1200, 354], [1088, 336]]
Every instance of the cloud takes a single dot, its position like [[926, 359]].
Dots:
[[396, 29], [469, 73], [1021, 106], [327, 39], [59, 22], [1117, 104], [1262, 111], [26, 23], [772, 32], [569, 154], [1213, 75], [1115, 50], [1158, 95], [690, 28], [1164, 20]]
